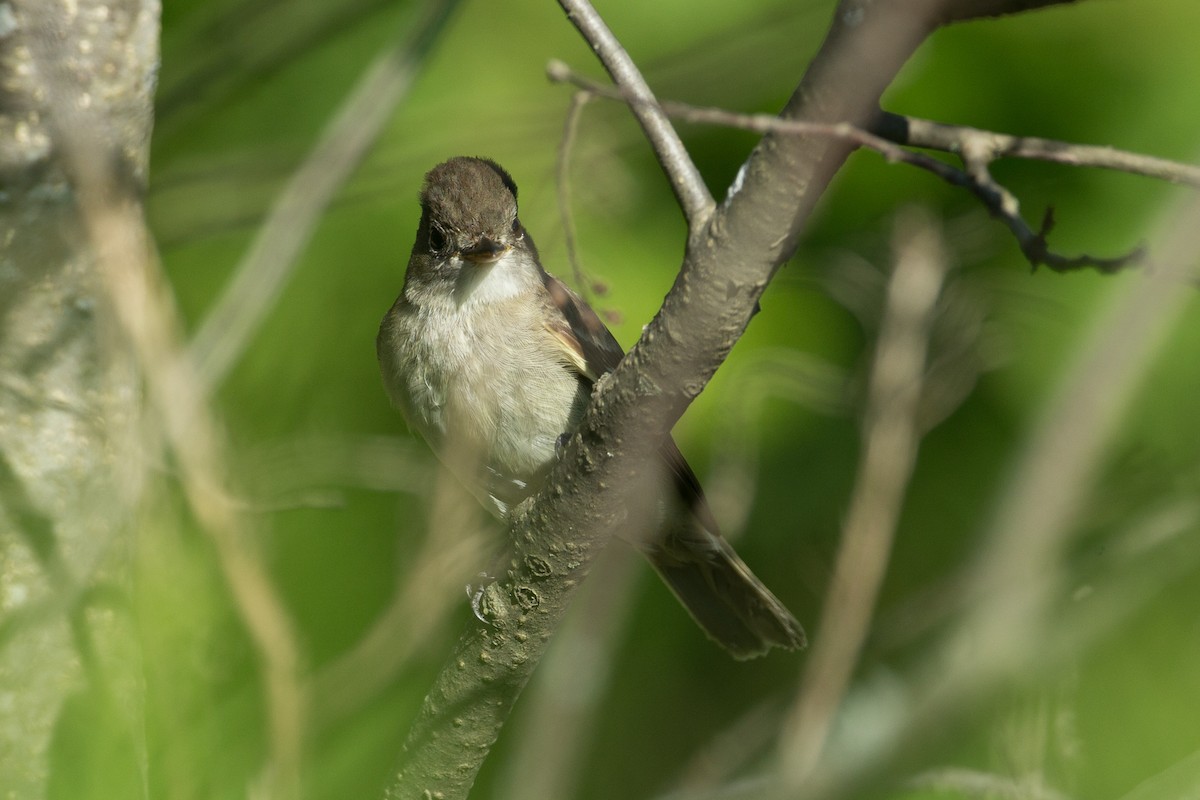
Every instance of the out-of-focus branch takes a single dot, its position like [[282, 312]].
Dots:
[[1018, 571], [891, 432], [144, 311], [1017, 581], [143, 314], [686, 182], [425, 596], [67, 401], [266, 268], [970, 783]]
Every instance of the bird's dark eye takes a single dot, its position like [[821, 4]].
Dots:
[[516, 226], [437, 238]]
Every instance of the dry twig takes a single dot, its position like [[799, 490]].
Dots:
[[916, 132], [686, 182], [562, 183], [976, 148]]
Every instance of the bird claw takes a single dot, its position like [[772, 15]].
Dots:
[[477, 594], [560, 444]]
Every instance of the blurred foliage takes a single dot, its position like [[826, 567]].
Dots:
[[246, 86]]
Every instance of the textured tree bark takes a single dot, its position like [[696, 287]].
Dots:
[[69, 399], [733, 252], [598, 485]]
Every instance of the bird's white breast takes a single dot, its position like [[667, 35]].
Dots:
[[482, 377]]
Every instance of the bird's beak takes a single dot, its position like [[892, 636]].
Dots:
[[485, 251]]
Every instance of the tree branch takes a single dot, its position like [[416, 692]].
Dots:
[[686, 182], [982, 9], [977, 149], [587, 497], [590, 493], [916, 132]]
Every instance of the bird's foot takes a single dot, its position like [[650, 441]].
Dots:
[[560, 444]]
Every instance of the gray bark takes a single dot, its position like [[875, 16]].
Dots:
[[733, 252]]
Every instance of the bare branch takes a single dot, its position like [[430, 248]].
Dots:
[[908, 131], [976, 151], [563, 183], [686, 182], [1004, 205], [916, 132], [982, 9], [593, 491], [970, 783], [266, 268]]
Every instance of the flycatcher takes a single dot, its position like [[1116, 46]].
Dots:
[[492, 359]]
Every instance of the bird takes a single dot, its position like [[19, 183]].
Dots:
[[492, 360]]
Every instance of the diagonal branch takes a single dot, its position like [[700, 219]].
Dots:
[[591, 493], [686, 182]]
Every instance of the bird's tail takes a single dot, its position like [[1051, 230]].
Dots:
[[721, 593]]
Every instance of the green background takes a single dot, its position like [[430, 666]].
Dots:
[[246, 87]]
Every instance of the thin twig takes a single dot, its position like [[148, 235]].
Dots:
[[998, 200], [915, 132], [264, 271], [891, 434], [686, 181], [563, 183]]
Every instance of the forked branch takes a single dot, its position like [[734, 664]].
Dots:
[[891, 135], [734, 250]]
